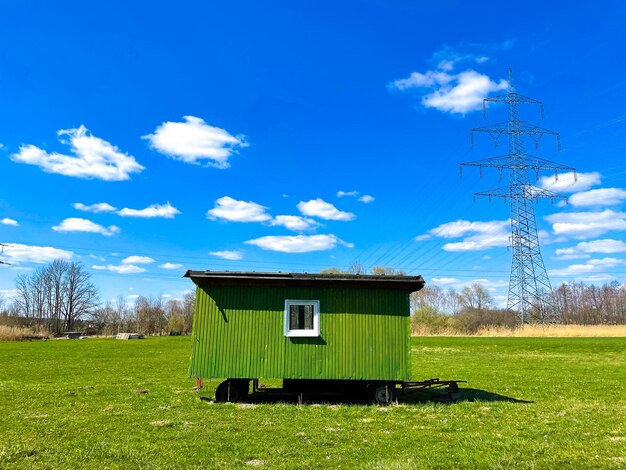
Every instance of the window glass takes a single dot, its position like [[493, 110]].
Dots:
[[301, 317]]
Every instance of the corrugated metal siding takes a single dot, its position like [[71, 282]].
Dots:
[[238, 332]]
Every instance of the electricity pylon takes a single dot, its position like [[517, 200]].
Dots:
[[529, 284]]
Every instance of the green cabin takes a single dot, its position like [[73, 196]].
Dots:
[[301, 326]]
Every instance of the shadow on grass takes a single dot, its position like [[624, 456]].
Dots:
[[420, 397], [465, 394]]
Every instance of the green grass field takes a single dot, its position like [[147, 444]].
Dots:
[[528, 403]]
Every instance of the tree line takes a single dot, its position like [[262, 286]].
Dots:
[[61, 297], [437, 309], [473, 306]]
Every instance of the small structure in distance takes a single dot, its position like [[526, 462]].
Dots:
[[129, 336]]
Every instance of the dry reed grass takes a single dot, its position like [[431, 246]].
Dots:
[[18, 333], [537, 331]]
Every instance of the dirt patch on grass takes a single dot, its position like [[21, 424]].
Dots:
[[255, 462]]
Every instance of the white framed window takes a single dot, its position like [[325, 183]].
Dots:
[[302, 318]]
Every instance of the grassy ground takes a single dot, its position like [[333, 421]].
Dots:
[[528, 403]]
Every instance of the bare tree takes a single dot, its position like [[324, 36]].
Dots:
[[150, 314], [56, 295], [80, 294], [430, 296], [188, 307], [475, 297], [382, 271]]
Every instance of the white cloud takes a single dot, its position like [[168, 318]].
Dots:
[[442, 281], [428, 79], [366, 198], [121, 269], [448, 92], [171, 266], [16, 253], [323, 210], [298, 243], [194, 140], [7, 293], [479, 242], [491, 285], [458, 228], [448, 57], [423, 237], [599, 278], [230, 209], [294, 222], [587, 224], [138, 260], [591, 266], [570, 182], [92, 158], [478, 235], [228, 254], [75, 224], [581, 250], [7, 221], [598, 197], [96, 208], [347, 193], [166, 211]]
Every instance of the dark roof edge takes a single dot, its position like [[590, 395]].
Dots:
[[205, 278]]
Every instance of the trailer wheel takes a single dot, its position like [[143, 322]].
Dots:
[[232, 391], [383, 394]]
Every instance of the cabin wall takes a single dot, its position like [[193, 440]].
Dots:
[[239, 333]]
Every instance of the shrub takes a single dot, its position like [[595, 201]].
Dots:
[[470, 320], [17, 333], [428, 321]]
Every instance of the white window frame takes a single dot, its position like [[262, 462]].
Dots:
[[315, 332]]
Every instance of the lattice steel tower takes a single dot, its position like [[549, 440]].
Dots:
[[529, 284]]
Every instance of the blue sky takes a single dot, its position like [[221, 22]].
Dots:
[[146, 138]]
